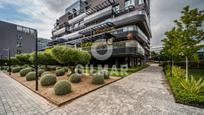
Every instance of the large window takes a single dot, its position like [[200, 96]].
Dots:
[[116, 9], [140, 2], [129, 3]]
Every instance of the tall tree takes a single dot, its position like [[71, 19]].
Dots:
[[185, 38]]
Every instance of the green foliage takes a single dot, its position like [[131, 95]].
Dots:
[[98, 79], [44, 58], [45, 73], [48, 80], [60, 72], [70, 56], [186, 91], [75, 78], [41, 71], [30, 76], [105, 74], [185, 38], [178, 72], [23, 72], [14, 61], [23, 59], [62, 87], [193, 86], [16, 69]]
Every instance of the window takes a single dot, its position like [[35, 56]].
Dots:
[[116, 9], [19, 37], [141, 2], [19, 28], [19, 45], [129, 3]]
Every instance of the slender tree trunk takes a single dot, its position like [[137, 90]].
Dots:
[[186, 67]]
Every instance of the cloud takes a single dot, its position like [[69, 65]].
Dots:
[[163, 12], [43, 14]]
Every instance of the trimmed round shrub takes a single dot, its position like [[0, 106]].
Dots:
[[16, 69], [66, 69], [52, 68], [48, 80], [75, 78], [60, 72], [62, 87], [30, 76], [45, 73], [23, 72], [98, 79], [93, 72], [105, 74], [40, 72]]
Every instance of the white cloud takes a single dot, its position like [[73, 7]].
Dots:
[[41, 13]]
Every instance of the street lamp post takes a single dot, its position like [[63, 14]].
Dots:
[[36, 60], [9, 61], [1, 61]]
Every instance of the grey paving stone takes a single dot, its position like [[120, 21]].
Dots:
[[142, 93]]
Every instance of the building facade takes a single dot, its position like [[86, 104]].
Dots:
[[43, 43], [18, 39], [125, 24]]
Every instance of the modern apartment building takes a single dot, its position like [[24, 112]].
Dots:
[[125, 24], [43, 43], [18, 39]]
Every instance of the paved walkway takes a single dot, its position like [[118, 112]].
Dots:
[[142, 93]]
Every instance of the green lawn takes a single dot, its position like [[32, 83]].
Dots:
[[197, 73], [183, 96]]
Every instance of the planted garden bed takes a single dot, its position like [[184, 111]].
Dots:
[[78, 89]]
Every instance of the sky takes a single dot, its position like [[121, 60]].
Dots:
[[42, 14]]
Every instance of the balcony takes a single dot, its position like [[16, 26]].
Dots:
[[130, 47], [97, 15], [77, 19], [72, 35], [60, 31]]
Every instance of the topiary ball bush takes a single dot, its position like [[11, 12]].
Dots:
[[60, 72], [75, 78], [48, 80], [41, 71], [105, 74], [98, 79], [62, 87], [16, 69], [30, 76], [23, 72], [45, 73]]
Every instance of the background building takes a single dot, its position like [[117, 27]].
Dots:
[[125, 24], [18, 38], [43, 43]]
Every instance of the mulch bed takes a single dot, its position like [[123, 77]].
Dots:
[[78, 90]]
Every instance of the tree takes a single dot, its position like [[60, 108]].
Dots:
[[185, 38], [44, 58], [70, 56], [23, 58]]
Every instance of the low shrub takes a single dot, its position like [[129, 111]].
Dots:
[[98, 79], [23, 72], [60, 72], [30, 76], [75, 78], [41, 71], [105, 74], [48, 80], [186, 91], [45, 73], [16, 69], [52, 68], [62, 87]]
